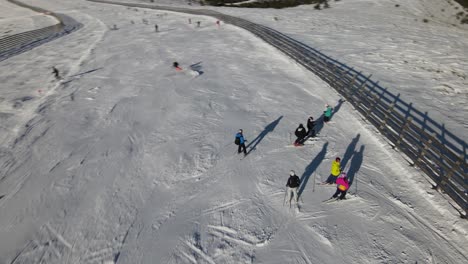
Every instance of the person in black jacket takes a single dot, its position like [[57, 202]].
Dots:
[[56, 73], [292, 184], [311, 127], [301, 134]]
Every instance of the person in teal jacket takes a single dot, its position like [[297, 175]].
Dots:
[[327, 113]]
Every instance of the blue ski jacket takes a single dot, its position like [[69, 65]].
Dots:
[[241, 138]]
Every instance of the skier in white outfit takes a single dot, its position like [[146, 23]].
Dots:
[[292, 184]]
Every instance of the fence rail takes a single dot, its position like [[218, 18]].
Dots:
[[21, 42], [426, 143]]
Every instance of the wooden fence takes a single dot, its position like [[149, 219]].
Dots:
[[423, 141], [18, 43]]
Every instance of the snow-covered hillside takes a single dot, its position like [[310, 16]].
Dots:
[[129, 161], [425, 62], [15, 19]]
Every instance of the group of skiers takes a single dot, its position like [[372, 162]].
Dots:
[[337, 175], [156, 27], [302, 134]]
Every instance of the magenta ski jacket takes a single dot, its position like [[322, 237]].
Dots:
[[342, 184]]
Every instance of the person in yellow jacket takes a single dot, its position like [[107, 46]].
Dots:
[[335, 171]]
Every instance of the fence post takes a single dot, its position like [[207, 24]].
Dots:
[[371, 107], [423, 150], [353, 80], [402, 131], [444, 180], [388, 112], [335, 83], [362, 85], [387, 115]]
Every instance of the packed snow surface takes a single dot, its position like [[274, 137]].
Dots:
[[417, 49], [127, 160]]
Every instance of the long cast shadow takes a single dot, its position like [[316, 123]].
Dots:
[[350, 151], [356, 163], [86, 72], [337, 107], [319, 121], [313, 165], [319, 124], [269, 128]]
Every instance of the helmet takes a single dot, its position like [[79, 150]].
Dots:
[[240, 130], [343, 175], [338, 159], [292, 173]]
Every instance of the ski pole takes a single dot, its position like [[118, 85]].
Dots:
[[313, 186], [284, 201]]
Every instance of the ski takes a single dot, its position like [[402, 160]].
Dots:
[[333, 200], [295, 206], [330, 200]]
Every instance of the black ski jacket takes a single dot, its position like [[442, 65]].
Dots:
[[293, 182], [310, 124], [300, 132]]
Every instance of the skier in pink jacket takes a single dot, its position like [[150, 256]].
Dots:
[[342, 186]]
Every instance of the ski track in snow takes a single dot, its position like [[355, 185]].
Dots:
[[129, 162]]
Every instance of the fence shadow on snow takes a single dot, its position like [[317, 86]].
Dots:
[[421, 140]]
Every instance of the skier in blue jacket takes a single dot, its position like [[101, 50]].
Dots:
[[240, 141]]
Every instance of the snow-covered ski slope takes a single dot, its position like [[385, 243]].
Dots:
[[425, 62], [129, 161]]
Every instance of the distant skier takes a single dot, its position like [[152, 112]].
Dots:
[[311, 127], [190, 21], [240, 141], [292, 184], [327, 113], [198, 23], [218, 23], [300, 133], [156, 28], [56, 73], [335, 171], [176, 66], [342, 186]]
